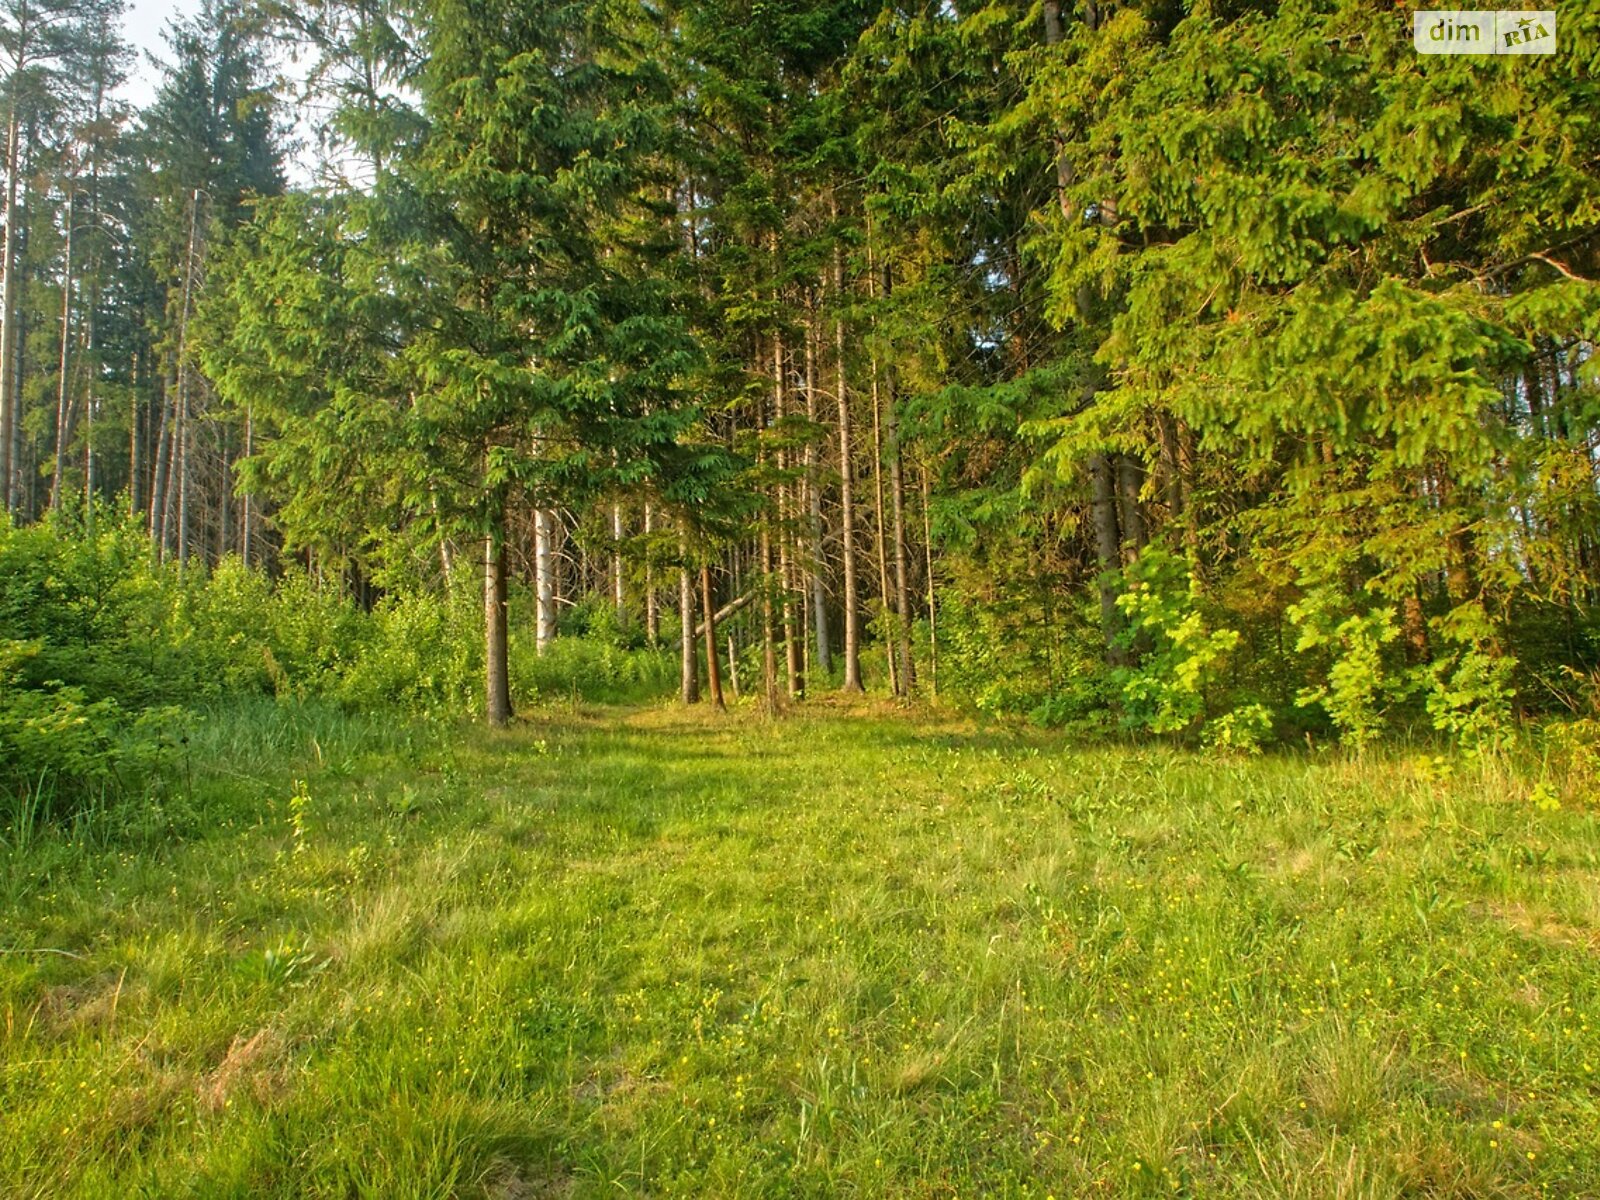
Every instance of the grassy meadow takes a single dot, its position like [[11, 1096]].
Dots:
[[653, 952]]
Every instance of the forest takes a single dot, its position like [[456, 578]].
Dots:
[[798, 597]]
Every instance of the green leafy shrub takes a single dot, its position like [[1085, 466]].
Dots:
[[1176, 682], [1007, 652], [1244, 729], [592, 670], [1469, 689], [420, 652], [1359, 680], [60, 749]]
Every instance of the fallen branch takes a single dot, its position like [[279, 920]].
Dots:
[[727, 610]]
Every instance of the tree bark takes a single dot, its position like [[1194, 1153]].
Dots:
[[619, 584], [160, 471], [91, 407], [688, 678], [497, 679], [897, 492], [769, 652], [902, 586], [1108, 543], [10, 424], [136, 441], [1130, 481], [882, 527], [246, 501], [726, 611], [544, 582], [182, 435], [652, 605], [791, 647], [713, 675], [63, 382], [847, 513], [813, 573]]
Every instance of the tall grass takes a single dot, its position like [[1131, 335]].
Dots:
[[838, 954]]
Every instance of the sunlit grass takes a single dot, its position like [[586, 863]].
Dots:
[[848, 952]]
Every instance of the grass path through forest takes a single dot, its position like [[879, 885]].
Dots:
[[654, 953]]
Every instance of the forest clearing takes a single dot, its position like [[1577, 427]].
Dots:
[[854, 952], [885, 598]]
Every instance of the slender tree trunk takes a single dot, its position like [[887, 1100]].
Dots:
[[1130, 481], [1460, 578], [847, 513], [10, 423], [897, 493], [181, 441], [1415, 626], [64, 381], [902, 586], [544, 582], [1171, 466], [136, 440], [688, 677], [1102, 474], [246, 501], [619, 593], [1052, 36], [182, 435], [497, 679], [447, 562], [1108, 544], [224, 491], [91, 407], [733, 668], [813, 573], [791, 647], [769, 652], [713, 675], [159, 472], [882, 528], [652, 605]]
